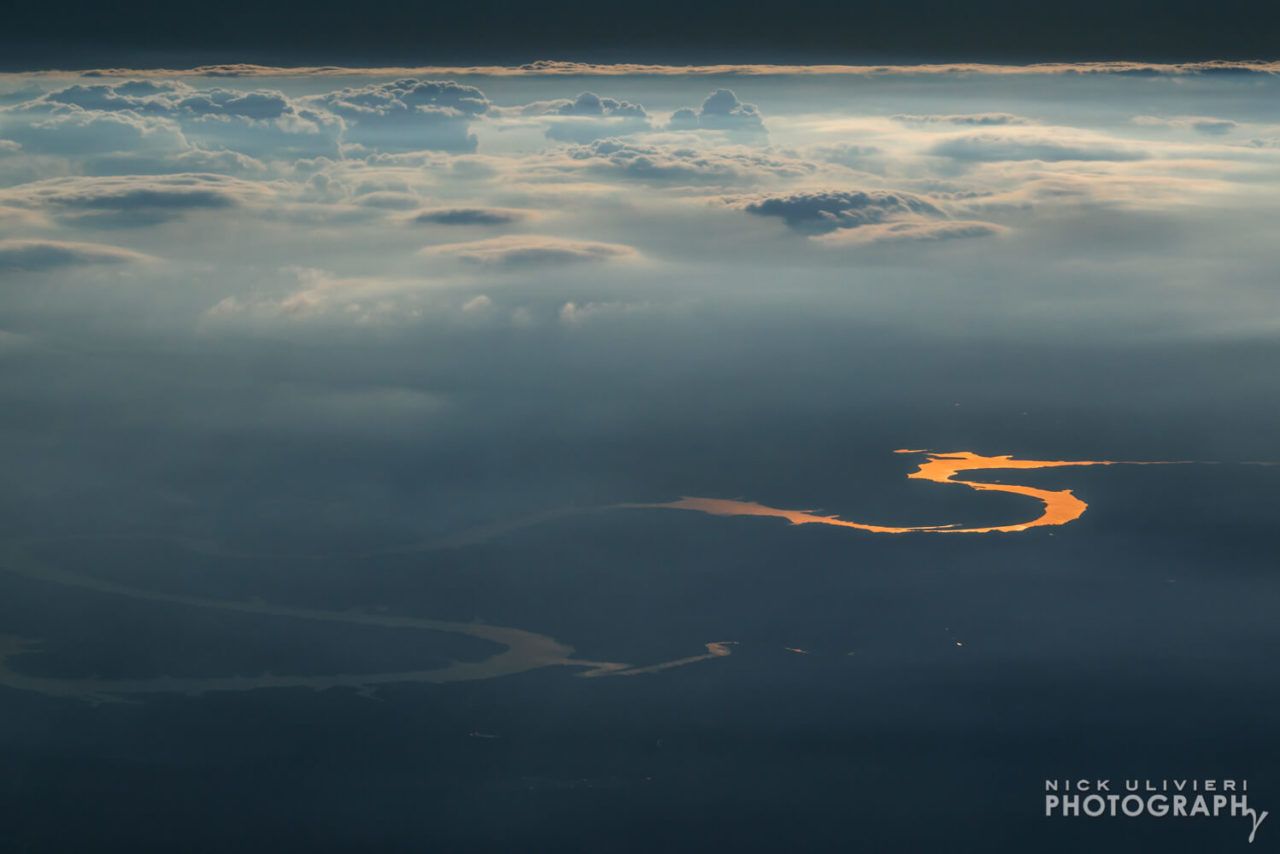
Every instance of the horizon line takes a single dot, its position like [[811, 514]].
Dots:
[[565, 68]]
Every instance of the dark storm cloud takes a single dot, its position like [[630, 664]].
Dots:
[[38, 255], [720, 111]]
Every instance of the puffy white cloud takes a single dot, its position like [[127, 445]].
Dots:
[[76, 132], [250, 121], [400, 115], [578, 313], [584, 118], [311, 294], [408, 114], [590, 104], [178, 100], [674, 162], [532, 250], [303, 295], [477, 304], [720, 111]]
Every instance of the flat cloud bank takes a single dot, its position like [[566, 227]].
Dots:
[[586, 69]]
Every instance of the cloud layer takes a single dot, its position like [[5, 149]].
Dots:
[[515, 251], [39, 255], [859, 217]]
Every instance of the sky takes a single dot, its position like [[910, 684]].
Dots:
[[82, 34], [418, 361]]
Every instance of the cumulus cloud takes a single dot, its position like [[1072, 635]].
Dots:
[[470, 216], [37, 255], [311, 294], [532, 250], [589, 117], [400, 115], [587, 104], [408, 114], [666, 162], [166, 98], [250, 121], [477, 304], [322, 298], [576, 314], [1201, 124], [77, 132], [720, 111]]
